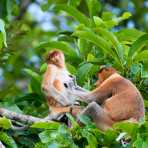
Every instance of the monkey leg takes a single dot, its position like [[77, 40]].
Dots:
[[98, 115]]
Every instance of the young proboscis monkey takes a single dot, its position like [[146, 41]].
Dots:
[[114, 99], [58, 84]]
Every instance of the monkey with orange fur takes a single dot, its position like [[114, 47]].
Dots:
[[114, 99], [58, 84]]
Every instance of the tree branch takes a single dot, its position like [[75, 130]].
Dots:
[[26, 118], [1, 145], [23, 7]]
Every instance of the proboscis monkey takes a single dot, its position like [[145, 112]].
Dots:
[[58, 84], [114, 99]]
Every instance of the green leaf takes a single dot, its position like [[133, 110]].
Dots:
[[98, 21], [128, 127], [107, 15], [7, 140], [33, 74], [92, 37], [74, 3], [126, 15], [35, 87], [91, 57], [145, 143], [71, 68], [72, 120], [2, 30], [145, 74], [110, 136], [46, 125], [111, 23], [76, 14], [45, 136], [1, 40], [118, 49], [41, 145], [5, 123], [94, 7], [142, 56], [83, 72], [137, 46], [110, 20], [35, 84], [70, 52], [84, 47], [43, 67], [98, 41], [64, 137], [128, 34], [140, 142], [13, 107], [91, 139]]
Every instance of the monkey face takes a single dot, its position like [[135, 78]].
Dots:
[[105, 72], [56, 57]]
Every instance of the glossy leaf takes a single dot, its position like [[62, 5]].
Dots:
[[137, 46], [46, 125], [7, 140], [128, 34], [43, 68], [91, 139], [98, 41], [83, 72], [93, 6], [5, 123], [142, 56], [32, 74], [74, 3], [118, 49], [76, 14]]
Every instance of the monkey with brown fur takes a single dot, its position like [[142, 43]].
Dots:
[[114, 99], [58, 84]]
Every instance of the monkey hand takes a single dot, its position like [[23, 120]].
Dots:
[[85, 98], [75, 110]]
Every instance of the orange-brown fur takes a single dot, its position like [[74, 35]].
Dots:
[[119, 99]]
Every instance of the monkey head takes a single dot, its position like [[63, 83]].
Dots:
[[56, 57], [105, 72]]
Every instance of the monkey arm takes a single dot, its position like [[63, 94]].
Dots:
[[98, 83], [101, 93], [50, 89]]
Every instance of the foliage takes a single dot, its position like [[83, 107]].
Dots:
[[97, 38]]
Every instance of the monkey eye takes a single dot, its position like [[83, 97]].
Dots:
[[71, 76], [66, 86]]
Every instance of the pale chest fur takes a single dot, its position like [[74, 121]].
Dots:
[[63, 75], [62, 80]]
